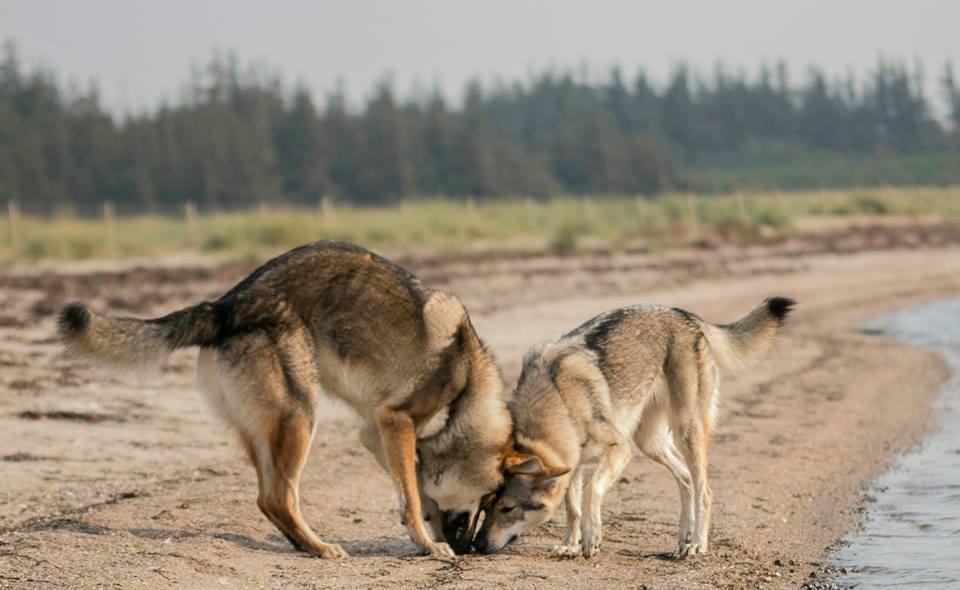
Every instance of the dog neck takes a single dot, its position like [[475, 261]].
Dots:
[[477, 417], [543, 423]]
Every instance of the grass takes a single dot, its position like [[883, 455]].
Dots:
[[780, 166], [561, 225]]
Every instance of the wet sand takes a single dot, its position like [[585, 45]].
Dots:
[[126, 483]]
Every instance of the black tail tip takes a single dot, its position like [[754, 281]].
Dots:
[[780, 307], [73, 319]]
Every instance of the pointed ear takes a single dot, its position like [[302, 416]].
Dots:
[[522, 464], [551, 472]]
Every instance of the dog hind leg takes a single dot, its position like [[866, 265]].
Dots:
[[690, 389], [659, 447], [279, 472], [263, 392]]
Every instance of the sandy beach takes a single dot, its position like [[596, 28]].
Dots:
[[132, 483]]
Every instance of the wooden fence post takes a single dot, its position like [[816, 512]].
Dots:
[[587, 204], [110, 226], [641, 207], [13, 216], [692, 214], [742, 209], [326, 209], [190, 215]]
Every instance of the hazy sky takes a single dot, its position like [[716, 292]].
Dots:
[[140, 51]]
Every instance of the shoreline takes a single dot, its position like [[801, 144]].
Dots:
[[895, 510], [800, 437]]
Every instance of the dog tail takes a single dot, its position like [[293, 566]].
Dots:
[[131, 343], [735, 345]]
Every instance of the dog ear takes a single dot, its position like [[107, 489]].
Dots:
[[488, 500], [552, 472], [522, 464]]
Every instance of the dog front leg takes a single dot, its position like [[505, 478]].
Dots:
[[370, 438], [615, 457], [574, 499], [431, 512], [400, 447]]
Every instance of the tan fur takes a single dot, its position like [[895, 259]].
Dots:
[[119, 344], [645, 374], [332, 318]]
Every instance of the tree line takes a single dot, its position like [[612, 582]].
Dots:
[[239, 135]]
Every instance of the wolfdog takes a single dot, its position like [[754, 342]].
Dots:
[[332, 317], [646, 373]]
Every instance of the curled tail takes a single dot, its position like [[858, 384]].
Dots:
[[131, 343], [734, 345]]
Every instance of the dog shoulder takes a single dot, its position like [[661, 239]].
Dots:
[[443, 316], [573, 365]]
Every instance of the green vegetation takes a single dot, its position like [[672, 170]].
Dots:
[[829, 170], [239, 136], [560, 225]]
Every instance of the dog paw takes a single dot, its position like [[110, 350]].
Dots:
[[438, 550], [691, 549], [591, 543], [566, 550], [683, 541], [591, 549], [331, 551]]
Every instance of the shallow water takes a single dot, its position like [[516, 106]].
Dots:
[[911, 536]]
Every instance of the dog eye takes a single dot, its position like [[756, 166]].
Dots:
[[507, 509]]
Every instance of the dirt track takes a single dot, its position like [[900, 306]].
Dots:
[[129, 484]]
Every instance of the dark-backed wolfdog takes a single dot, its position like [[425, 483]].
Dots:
[[646, 373], [333, 318]]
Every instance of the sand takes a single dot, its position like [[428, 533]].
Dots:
[[132, 483]]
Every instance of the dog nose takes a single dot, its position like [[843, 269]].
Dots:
[[480, 545], [457, 531], [461, 546]]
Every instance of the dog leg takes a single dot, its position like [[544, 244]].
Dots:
[[693, 447], [691, 382], [279, 461], [663, 451], [271, 403], [574, 499], [615, 457], [432, 516], [370, 439], [654, 440], [674, 463], [399, 442]]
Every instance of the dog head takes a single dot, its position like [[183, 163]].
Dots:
[[531, 492], [459, 492], [461, 466]]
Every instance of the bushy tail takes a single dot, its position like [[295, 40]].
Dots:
[[734, 345], [131, 343]]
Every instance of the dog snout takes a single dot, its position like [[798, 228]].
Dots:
[[457, 530], [482, 543]]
